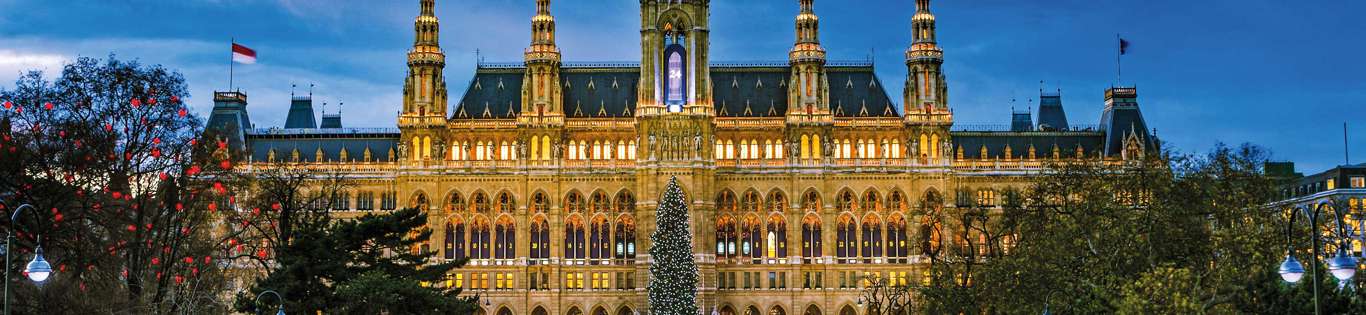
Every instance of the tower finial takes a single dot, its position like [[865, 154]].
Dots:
[[542, 7], [428, 7], [806, 6]]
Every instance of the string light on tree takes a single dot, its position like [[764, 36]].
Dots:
[[673, 274]]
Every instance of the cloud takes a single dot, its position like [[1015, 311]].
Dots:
[[14, 63]]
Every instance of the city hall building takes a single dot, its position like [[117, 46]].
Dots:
[[803, 177]]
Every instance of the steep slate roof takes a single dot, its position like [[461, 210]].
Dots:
[[301, 113], [1043, 142], [1051, 114], [609, 90], [331, 141]]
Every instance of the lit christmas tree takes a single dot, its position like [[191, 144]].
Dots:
[[673, 274]]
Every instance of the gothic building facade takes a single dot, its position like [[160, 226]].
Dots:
[[804, 179]]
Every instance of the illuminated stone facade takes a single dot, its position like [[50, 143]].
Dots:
[[802, 176]]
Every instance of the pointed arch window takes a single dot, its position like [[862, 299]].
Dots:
[[573, 203], [626, 203], [481, 203], [846, 239], [480, 239], [811, 239], [574, 240], [872, 239], [455, 203], [845, 202], [751, 239], [455, 239], [505, 236], [777, 202], [540, 240], [540, 203], [871, 201], [600, 203], [897, 244], [506, 204], [776, 243], [726, 237], [750, 203], [625, 240], [599, 247]]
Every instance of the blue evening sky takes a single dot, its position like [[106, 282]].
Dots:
[[1283, 74]]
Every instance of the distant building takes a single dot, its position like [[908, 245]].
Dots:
[[1339, 192], [803, 176]]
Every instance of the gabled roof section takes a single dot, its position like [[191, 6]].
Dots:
[[608, 89], [301, 113]]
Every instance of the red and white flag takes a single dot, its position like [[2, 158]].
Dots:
[[242, 54]]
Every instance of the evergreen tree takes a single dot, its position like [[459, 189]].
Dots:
[[673, 274]]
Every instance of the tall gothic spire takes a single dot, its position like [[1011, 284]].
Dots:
[[808, 90], [922, 27], [425, 88], [926, 94], [541, 93], [808, 45], [542, 32]]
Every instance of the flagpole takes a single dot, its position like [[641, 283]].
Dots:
[[1119, 65], [230, 62]]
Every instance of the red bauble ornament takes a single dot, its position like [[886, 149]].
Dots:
[[47, 106], [8, 105], [175, 99], [181, 113], [189, 260], [179, 279], [213, 207], [226, 165], [136, 102]]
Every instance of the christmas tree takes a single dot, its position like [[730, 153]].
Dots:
[[673, 274]]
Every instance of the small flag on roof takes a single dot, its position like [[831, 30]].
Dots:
[[242, 54]]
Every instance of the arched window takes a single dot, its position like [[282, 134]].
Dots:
[[600, 203], [573, 202], [599, 311], [505, 237], [725, 237], [574, 240], [481, 203], [777, 310], [751, 238], [573, 150], [538, 311], [599, 247], [846, 238], [574, 311], [813, 310], [506, 204], [811, 238], [540, 240], [816, 146], [896, 238], [539, 203], [455, 239], [811, 202], [896, 202], [725, 201], [480, 239], [845, 202], [871, 201], [750, 203], [626, 203], [777, 202], [744, 149], [872, 238], [455, 203], [535, 148], [626, 239], [730, 149], [806, 147], [776, 243], [545, 148]]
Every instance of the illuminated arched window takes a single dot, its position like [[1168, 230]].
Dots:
[[806, 147], [777, 202], [574, 241], [455, 238], [896, 202], [725, 201], [540, 239], [845, 201], [545, 148], [626, 202], [897, 244], [872, 238], [573, 202], [730, 149], [506, 204], [744, 149], [750, 202], [751, 237], [726, 237], [871, 201], [625, 248], [846, 238], [816, 146], [505, 234], [539, 203], [776, 242], [535, 148], [599, 244], [600, 203], [811, 238], [455, 203], [811, 202], [481, 203], [481, 240]]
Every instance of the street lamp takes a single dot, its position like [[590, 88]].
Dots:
[[1046, 301], [38, 270], [281, 309], [1342, 266]]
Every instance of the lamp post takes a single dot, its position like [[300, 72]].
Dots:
[[1046, 301], [38, 270], [280, 310], [1342, 266]]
